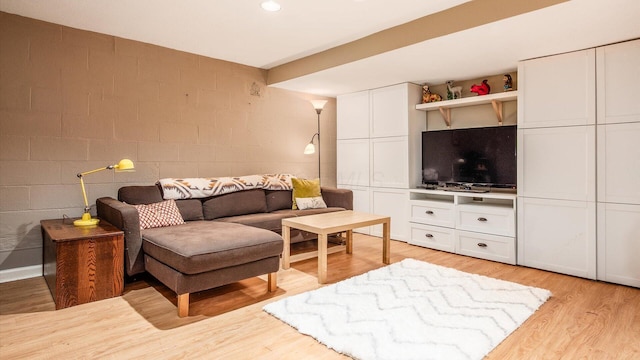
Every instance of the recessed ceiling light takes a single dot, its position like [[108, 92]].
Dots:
[[270, 5]]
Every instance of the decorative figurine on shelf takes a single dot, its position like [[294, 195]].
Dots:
[[453, 92], [482, 89], [508, 82], [428, 96]]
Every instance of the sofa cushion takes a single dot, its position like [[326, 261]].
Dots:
[[303, 188], [278, 200], [191, 209], [199, 246], [310, 203], [164, 213], [135, 195], [236, 203]]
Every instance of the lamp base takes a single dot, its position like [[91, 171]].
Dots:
[[86, 221]]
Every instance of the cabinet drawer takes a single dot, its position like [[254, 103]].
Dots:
[[490, 247], [432, 213], [433, 237], [487, 219]]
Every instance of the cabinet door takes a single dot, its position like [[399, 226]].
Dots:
[[390, 111], [618, 78], [353, 116], [393, 203], [557, 163], [619, 243], [619, 163], [557, 235], [361, 202], [557, 90], [352, 163], [389, 162]]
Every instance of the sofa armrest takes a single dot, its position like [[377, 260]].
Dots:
[[334, 197], [124, 217]]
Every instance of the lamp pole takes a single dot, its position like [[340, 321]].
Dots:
[[319, 111]]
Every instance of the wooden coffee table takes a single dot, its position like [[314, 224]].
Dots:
[[331, 223]]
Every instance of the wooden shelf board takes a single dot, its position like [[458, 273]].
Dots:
[[469, 101]]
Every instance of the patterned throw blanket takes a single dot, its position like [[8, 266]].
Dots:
[[193, 188]]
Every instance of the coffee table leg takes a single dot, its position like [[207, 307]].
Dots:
[[386, 242], [349, 241], [322, 258], [286, 235]]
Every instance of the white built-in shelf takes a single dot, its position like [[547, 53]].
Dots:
[[495, 100]]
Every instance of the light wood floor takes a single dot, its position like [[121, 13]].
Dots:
[[583, 319]]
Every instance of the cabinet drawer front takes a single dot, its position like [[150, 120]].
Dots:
[[432, 213], [490, 247], [486, 219], [433, 237]]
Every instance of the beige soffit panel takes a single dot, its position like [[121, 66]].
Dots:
[[461, 17]]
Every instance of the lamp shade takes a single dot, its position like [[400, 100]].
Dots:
[[318, 104], [124, 165], [310, 149]]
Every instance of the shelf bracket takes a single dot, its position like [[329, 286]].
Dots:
[[446, 115], [497, 108]]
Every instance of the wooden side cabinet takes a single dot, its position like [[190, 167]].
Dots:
[[82, 265]]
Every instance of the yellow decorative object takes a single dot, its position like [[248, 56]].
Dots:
[[303, 188], [87, 220]]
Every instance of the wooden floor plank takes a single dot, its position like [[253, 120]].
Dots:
[[583, 319]]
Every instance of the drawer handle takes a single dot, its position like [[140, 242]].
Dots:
[[483, 219], [482, 245], [429, 212], [428, 235]]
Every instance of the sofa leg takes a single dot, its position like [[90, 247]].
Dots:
[[272, 281], [183, 305]]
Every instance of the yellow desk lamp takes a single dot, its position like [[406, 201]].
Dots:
[[87, 220]]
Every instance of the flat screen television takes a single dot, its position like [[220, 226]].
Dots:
[[475, 156]]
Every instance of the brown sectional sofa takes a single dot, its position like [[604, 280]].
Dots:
[[224, 239]]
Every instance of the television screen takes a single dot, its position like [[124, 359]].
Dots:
[[479, 156]]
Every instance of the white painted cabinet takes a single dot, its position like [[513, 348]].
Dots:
[[557, 235], [361, 202], [557, 90], [618, 71], [389, 165], [390, 110], [619, 243], [353, 112], [556, 164], [618, 159], [563, 160], [378, 148], [392, 203], [479, 225], [352, 163]]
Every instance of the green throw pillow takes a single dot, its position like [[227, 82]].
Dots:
[[303, 188]]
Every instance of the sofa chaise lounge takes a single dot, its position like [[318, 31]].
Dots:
[[221, 239]]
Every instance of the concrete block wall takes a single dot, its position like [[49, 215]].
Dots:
[[73, 101]]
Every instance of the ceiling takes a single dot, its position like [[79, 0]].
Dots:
[[240, 31]]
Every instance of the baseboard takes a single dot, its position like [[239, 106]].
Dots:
[[20, 273]]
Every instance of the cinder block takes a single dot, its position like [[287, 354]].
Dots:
[[213, 169], [171, 132], [48, 100], [178, 169], [21, 123], [112, 151], [14, 198], [56, 196], [14, 173], [21, 229], [49, 148], [165, 152], [14, 148], [212, 100], [197, 152], [15, 98], [92, 40]]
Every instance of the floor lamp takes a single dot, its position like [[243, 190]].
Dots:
[[310, 148]]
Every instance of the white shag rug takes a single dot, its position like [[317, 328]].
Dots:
[[411, 310]]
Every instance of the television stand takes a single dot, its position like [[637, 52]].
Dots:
[[472, 222]]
